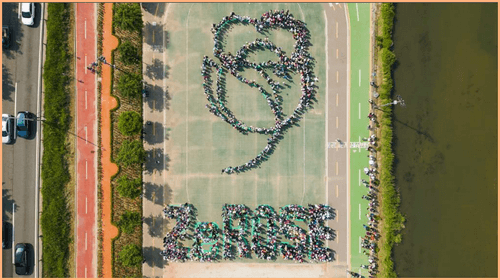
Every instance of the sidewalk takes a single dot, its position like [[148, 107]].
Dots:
[[109, 231]]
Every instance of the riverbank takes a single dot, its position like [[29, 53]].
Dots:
[[390, 219]]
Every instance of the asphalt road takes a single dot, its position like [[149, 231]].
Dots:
[[20, 73]]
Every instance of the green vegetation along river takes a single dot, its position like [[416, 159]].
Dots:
[[446, 139]]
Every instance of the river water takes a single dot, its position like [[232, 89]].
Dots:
[[446, 139]]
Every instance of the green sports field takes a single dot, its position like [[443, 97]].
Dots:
[[199, 144]]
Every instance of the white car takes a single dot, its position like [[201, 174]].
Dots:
[[28, 13], [8, 129]]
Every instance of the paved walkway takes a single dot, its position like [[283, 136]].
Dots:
[[86, 144], [155, 197], [108, 102]]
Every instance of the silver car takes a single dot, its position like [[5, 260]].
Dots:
[[8, 129]]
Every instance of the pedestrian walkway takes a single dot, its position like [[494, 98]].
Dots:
[[109, 231]]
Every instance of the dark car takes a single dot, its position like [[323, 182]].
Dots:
[[4, 235], [22, 259], [5, 37], [26, 123]]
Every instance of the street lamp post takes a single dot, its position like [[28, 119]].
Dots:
[[399, 100]]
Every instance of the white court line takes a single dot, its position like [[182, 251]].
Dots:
[[357, 12], [337, 190], [359, 107], [326, 104], [15, 98], [337, 53], [359, 244], [337, 122], [337, 76], [359, 77], [85, 99]]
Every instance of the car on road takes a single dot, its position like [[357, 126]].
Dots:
[[8, 129], [5, 37], [28, 13], [22, 258], [25, 123]]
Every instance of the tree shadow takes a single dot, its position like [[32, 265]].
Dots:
[[158, 98], [155, 70], [158, 194], [157, 160], [154, 36], [155, 228], [9, 18], [8, 203], [154, 133], [7, 84], [156, 9], [152, 257]]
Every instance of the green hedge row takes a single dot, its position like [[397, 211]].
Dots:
[[55, 175], [392, 219]]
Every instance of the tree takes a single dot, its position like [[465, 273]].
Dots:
[[130, 255], [131, 152], [128, 16], [129, 188], [128, 53], [130, 123], [129, 221], [130, 85]]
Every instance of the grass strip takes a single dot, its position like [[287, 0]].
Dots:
[[392, 221], [55, 174]]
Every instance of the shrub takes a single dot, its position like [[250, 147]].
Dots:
[[129, 221], [128, 16], [130, 255], [128, 53], [131, 152], [130, 123], [130, 85], [129, 188]]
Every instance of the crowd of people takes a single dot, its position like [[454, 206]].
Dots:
[[300, 61], [265, 236]]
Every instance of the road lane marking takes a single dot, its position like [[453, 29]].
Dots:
[[85, 272], [337, 237], [337, 190], [337, 122], [154, 104], [359, 212], [337, 76], [85, 99], [357, 12], [336, 29], [359, 77], [337, 102], [359, 107], [337, 53], [15, 98]]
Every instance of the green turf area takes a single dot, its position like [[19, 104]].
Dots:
[[200, 144]]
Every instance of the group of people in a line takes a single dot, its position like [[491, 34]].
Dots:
[[265, 242], [300, 61]]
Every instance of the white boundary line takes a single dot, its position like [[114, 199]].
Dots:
[[326, 106], [15, 99], [348, 99], [357, 12], [37, 160]]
